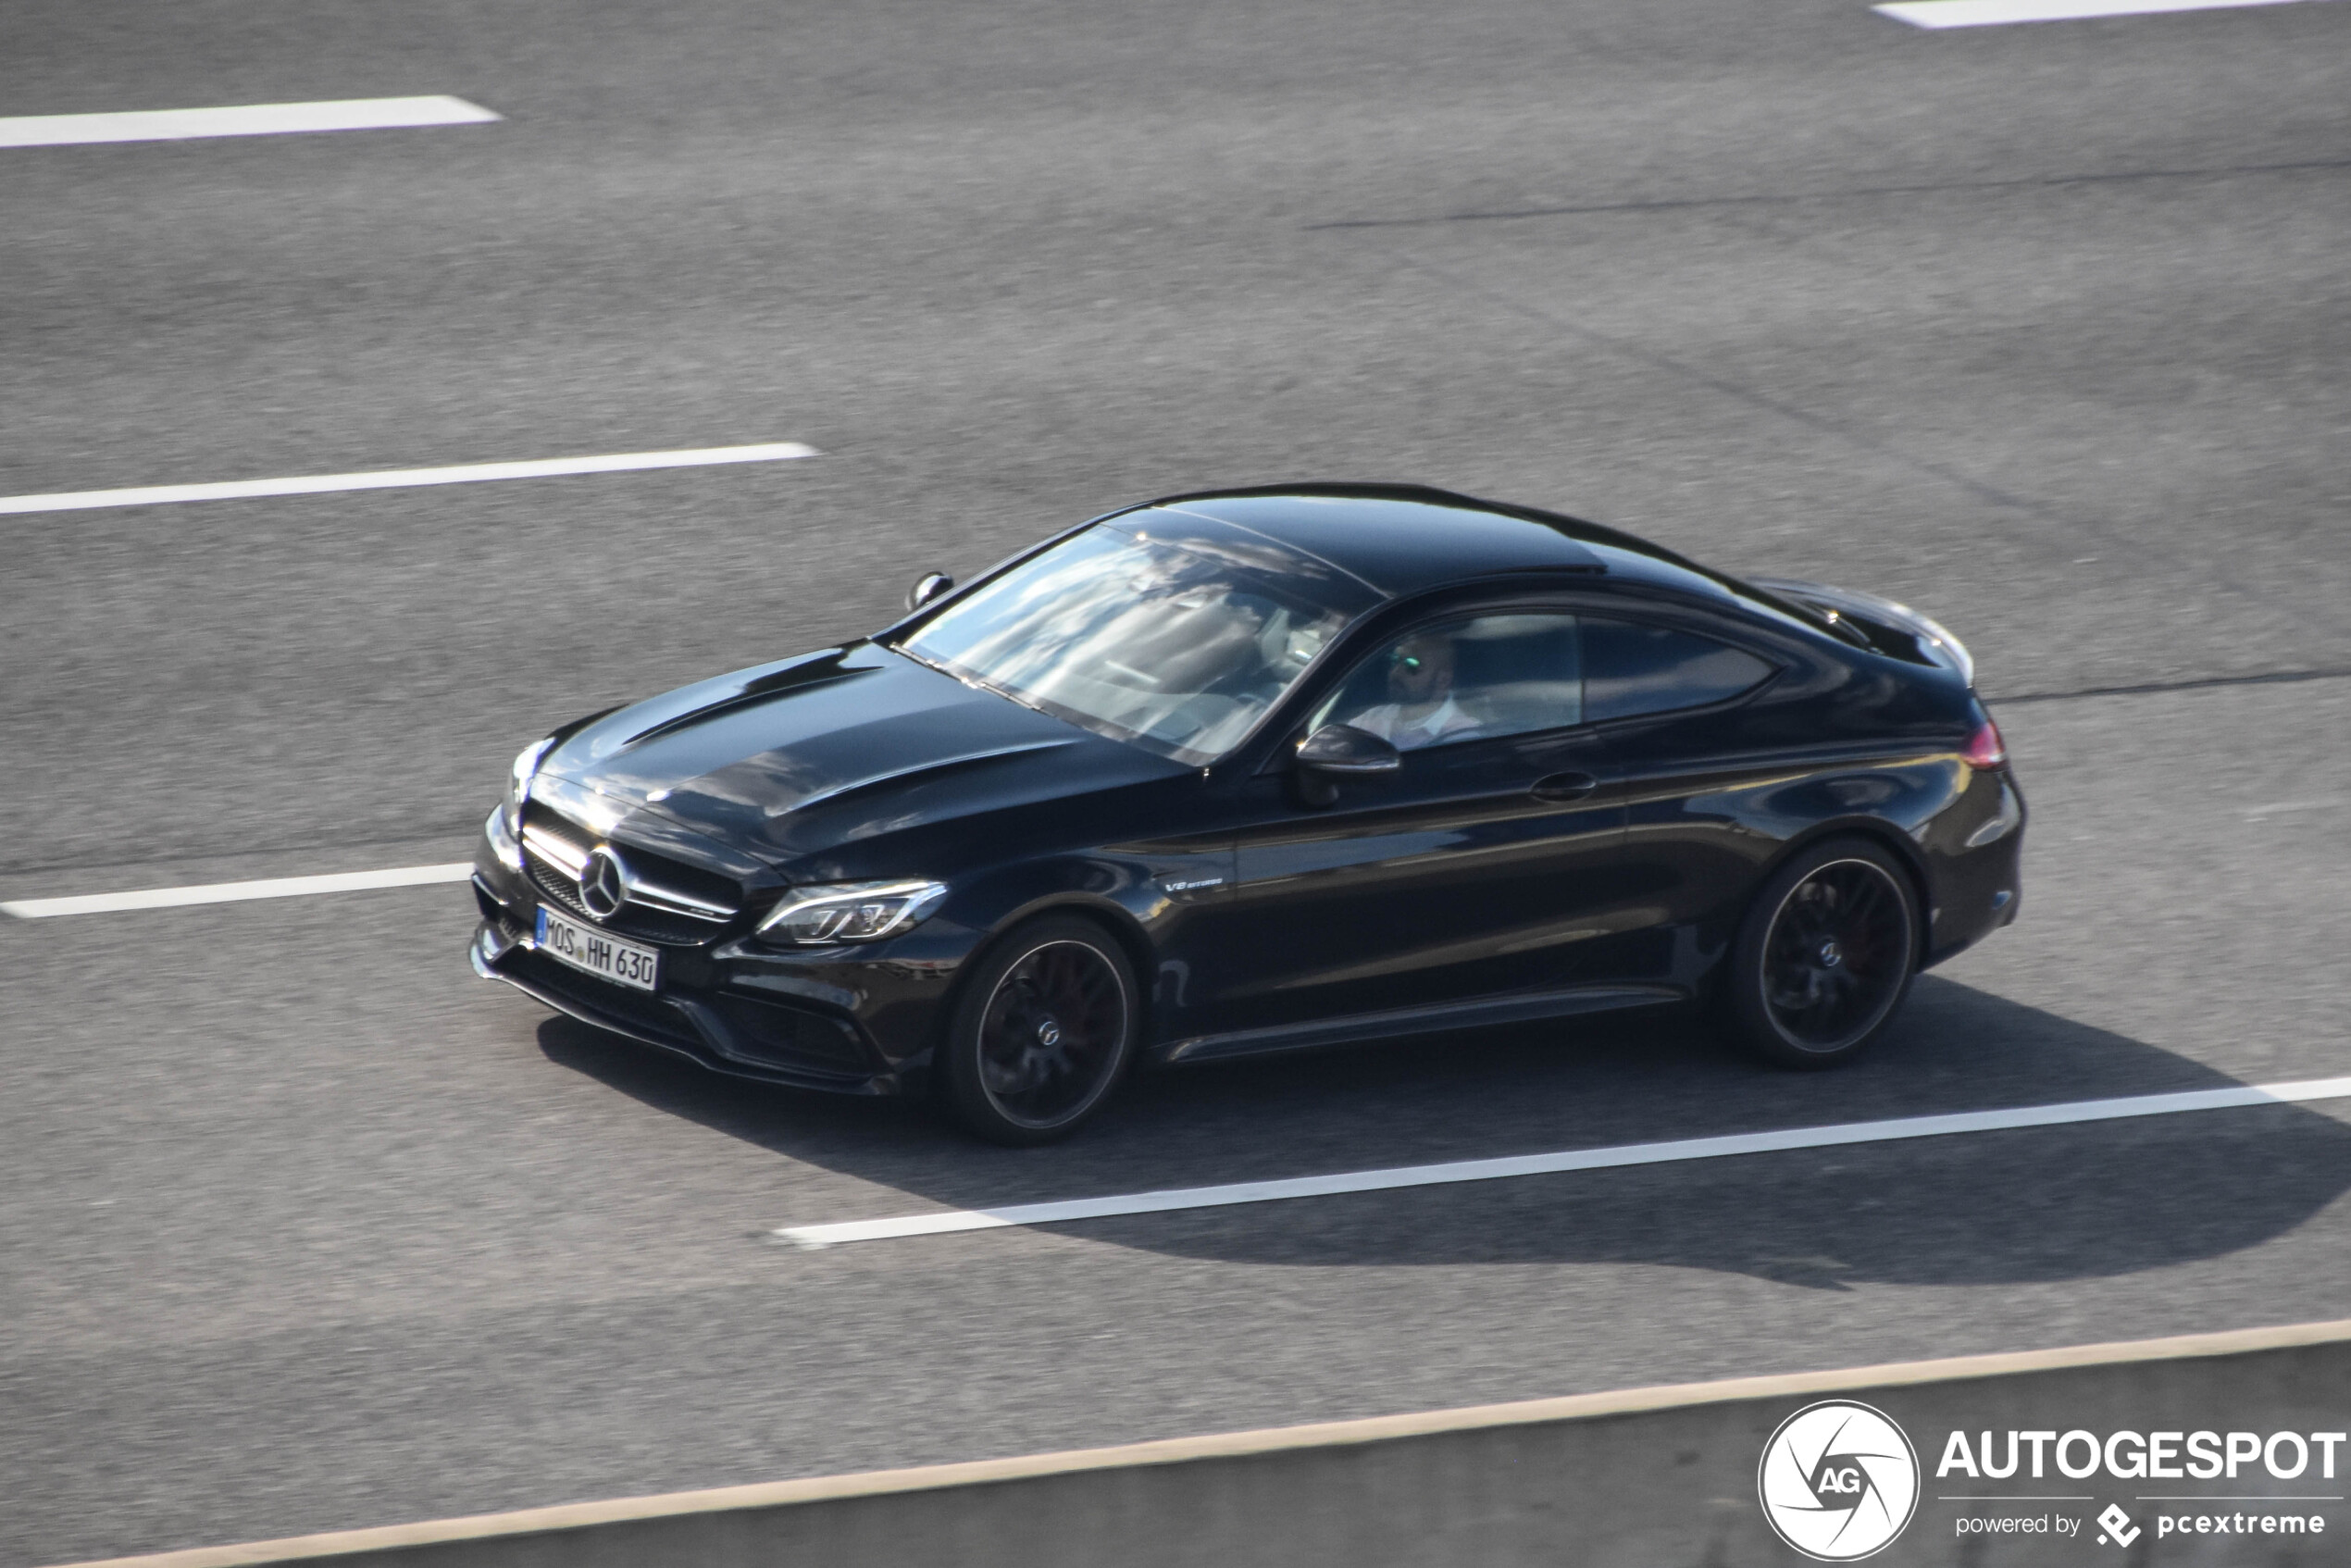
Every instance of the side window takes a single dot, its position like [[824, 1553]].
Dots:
[[1630, 669], [1465, 680]]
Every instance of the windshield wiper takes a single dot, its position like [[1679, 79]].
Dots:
[[976, 683]]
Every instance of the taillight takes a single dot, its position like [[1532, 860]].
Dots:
[[1984, 748]]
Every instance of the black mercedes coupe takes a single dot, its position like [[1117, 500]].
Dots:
[[1258, 770]]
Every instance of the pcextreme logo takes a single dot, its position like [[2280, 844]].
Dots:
[[1839, 1481]]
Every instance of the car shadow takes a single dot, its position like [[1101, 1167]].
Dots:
[[2073, 1201]]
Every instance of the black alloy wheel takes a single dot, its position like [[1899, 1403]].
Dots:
[[1043, 1031], [1826, 955]]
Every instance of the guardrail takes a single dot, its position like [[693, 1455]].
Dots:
[[1644, 1477]]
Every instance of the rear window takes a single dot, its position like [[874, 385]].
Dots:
[[1630, 669]]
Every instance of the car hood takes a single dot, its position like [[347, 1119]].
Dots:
[[787, 760]]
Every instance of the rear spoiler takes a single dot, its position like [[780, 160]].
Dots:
[[1892, 628]]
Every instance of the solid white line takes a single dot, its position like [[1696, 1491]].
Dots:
[[1573, 1160], [399, 478], [1999, 13], [245, 120], [232, 892]]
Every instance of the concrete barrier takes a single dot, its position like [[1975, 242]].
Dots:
[[1645, 1477]]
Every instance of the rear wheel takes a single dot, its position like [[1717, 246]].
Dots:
[[1825, 956], [1042, 1032]]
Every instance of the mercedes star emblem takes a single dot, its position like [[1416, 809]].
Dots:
[[603, 883]]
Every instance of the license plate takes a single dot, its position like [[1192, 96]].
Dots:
[[583, 947]]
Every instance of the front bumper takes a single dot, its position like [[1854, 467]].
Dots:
[[844, 1021]]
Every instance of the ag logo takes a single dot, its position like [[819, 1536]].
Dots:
[[1838, 1481]]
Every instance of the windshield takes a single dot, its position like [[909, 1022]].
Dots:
[[1178, 649]]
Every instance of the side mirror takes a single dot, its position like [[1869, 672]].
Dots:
[[1342, 747], [927, 587], [1337, 751]]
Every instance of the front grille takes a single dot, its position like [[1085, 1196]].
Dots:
[[655, 925], [635, 1009], [658, 925], [703, 884]]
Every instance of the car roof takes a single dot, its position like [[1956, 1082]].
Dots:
[[1402, 540]]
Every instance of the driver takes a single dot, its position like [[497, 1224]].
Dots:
[[1420, 710]]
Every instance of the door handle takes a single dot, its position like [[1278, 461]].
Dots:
[[1564, 786]]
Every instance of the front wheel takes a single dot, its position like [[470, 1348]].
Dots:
[[1041, 1033], [1825, 956]]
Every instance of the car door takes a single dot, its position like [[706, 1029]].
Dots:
[[1480, 864], [1702, 753]]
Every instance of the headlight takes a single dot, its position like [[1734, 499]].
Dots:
[[850, 911], [503, 843], [518, 779]]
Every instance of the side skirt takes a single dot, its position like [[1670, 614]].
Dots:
[[1360, 1026]]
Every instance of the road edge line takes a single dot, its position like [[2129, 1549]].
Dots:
[[198, 894]]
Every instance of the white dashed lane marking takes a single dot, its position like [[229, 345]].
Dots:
[[1622, 1155], [402, 479], [232, 892], [2002, 13], [244, 120]]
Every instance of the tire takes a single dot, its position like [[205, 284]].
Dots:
[[1041, 1034], [1825, 956]]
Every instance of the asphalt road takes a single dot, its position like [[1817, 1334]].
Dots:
[[2045, 329]]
